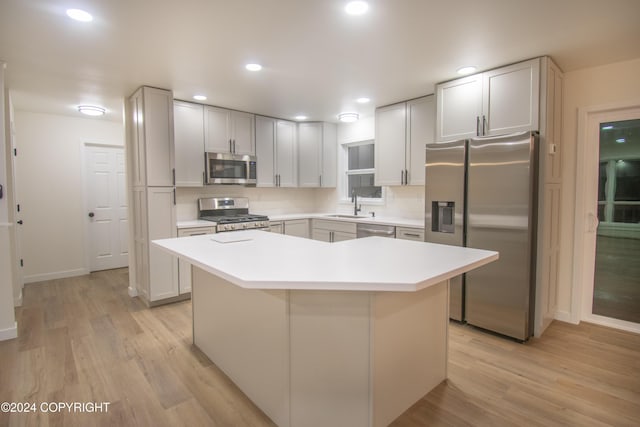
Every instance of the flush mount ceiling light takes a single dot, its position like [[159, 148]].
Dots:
[[363, 100], [199, 97], [91, 110], [253, 67], [621, 140], [466, 70], [356, 7], [79, 15], [348, 117], [301, 117]]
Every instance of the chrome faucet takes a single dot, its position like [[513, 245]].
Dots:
[[354, 199]]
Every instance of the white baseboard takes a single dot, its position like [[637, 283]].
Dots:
[[564, 316], [10, 333], [133, 292], [55, 275]]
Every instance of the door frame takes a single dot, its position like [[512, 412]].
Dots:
[[85, 193], [585, 215]]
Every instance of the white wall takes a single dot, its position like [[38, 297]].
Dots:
[[50, 187], [617, 83]]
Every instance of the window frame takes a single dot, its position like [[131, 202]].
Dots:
[[345, 198], [609, 201]]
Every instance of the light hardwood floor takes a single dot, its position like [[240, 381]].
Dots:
[[85, 340]]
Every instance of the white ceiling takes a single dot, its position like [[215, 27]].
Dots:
[[317, 60]]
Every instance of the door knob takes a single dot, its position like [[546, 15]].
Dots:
[[91, 214], [19, 221]]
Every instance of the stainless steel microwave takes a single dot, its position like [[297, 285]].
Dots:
[[227, 168]]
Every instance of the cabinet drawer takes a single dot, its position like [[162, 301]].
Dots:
[[410, 233], [342, 226], [195, 231]]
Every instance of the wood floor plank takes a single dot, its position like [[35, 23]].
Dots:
[[83, 339]]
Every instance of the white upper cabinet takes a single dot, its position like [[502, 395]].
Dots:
[[188, 129], [459, 108], [402, 131], [151, 112], [286, 154], [391, 136], [317, 155], [276, 152], [265, 151], [495, 102], [421, 115], [510, 98], [228, 131]]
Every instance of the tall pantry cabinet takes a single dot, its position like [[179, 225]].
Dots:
[[153, 274]]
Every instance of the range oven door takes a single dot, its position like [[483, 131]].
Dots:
[[226, 168]]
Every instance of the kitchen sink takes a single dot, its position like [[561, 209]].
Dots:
[[347, 216]]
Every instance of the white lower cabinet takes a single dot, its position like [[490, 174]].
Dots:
[[292, 227], [297, 227], [184, 268], [276, 227], [161, 221], [333, 231], [409, 233]]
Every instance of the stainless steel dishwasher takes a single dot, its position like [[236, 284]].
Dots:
[[367, 230]]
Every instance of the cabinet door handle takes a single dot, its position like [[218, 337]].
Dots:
[[234, 146], [230, 148], [406, 177], [484, 125], [477, 125], [411, 234], [174, 196], [401, 177], [320, 180], [173, 171]]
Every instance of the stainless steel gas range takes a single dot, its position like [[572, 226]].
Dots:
[[230, 214]]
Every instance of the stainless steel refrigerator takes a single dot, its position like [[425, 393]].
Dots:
[[482, 193]]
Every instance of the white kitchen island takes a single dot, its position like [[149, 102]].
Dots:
[[324, 334]]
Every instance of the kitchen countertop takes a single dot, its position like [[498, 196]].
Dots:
[[263, 260], [398, 222]]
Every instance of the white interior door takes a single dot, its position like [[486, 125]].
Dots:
[[106, 203]]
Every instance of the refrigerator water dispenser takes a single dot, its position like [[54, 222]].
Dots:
[[443, 217]]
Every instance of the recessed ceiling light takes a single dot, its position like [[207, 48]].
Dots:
[[199, 97], [356, 7], [621, 140], [301, 117], [466, 70], [253, 67], [91, 110], [79, 15], [363, 100], [348, 117], [607, 127]]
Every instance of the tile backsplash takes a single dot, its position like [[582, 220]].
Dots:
[[400, 202]]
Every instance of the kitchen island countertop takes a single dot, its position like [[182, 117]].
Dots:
[[256, 259]]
